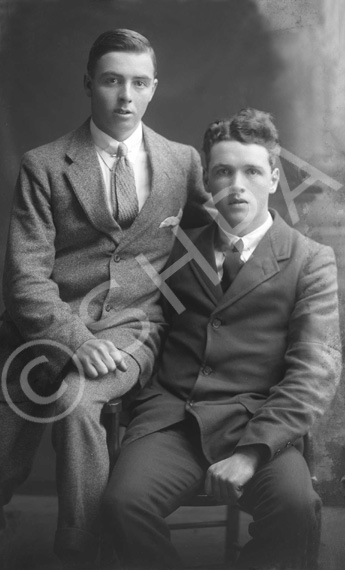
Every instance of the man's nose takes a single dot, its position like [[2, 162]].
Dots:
[[237, 182], [125, 92]]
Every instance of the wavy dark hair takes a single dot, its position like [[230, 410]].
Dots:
[[248, 126]]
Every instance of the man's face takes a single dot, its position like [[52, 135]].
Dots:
[[121, 88], [240, 179]]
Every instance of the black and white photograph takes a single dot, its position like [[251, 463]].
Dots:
[[172, 298]]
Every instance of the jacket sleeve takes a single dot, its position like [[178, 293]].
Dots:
[[197, 210], [312, 361], [31, 296]]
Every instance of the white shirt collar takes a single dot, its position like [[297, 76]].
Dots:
[[251, 240], [109, 145]]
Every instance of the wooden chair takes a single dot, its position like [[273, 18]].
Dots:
[[231, 522]]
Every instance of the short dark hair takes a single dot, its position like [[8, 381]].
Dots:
[[248, 126], [119, 40]]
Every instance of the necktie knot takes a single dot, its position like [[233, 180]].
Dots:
[[238, 246], [122, 150]]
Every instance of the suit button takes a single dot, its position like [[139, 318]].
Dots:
[[207, 370], [216, 323], [117, 258], [108, 308]]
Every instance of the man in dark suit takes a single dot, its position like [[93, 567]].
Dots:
[[78, 301], [250, 360]]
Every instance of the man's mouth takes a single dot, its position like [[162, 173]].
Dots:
[[122, 112], [233, 201]]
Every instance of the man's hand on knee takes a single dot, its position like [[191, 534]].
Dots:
[[225, 479], [98, 357]]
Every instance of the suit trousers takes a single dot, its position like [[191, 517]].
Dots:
[[82, 459], [156, 473], [19, 442]]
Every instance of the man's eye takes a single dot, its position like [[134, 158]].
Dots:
[[252, 171], [112, 80], [222, 172], [140, 84]]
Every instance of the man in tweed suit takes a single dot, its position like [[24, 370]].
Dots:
[[248, 365], [75, 289]]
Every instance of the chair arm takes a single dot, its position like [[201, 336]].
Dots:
[[112, 411], [309, 456]]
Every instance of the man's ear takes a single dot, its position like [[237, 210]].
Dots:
[[87, 85], [205, 178], [275, 175], [154, 87]]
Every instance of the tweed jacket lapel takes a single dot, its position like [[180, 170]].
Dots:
[[85, 175], [275, 246], [161, 164]]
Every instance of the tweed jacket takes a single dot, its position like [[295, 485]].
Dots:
[[257, 364], [71, 273]]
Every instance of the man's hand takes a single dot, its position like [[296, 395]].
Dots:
[[225, 480], [98, 357]]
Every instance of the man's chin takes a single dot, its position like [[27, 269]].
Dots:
[[230, 224]]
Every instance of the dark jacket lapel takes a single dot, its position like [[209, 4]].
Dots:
[[203, 263], [275, 246]]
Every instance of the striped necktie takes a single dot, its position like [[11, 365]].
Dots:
[[232, 264], [125, 198]]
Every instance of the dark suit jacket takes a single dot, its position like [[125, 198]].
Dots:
[[71, 273], [257, 364]]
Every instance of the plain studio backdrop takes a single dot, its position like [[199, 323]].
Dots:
[[214, 57]]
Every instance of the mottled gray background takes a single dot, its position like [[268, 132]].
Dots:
[[214, 57]]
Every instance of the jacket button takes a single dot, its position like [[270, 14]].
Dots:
[[216, 323], [108, 308], [207, 370], [117, 258]]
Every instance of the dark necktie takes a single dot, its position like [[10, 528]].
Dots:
[[232, 264], [124, 196]]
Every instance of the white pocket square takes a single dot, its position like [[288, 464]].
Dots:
[[171, 221]]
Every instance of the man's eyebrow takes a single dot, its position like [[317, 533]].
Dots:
[[115, 74], [223, 164], [257, 166], [109, 74], [143, 77]]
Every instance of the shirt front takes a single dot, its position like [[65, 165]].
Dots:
[[106, 148], [250, 241]]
